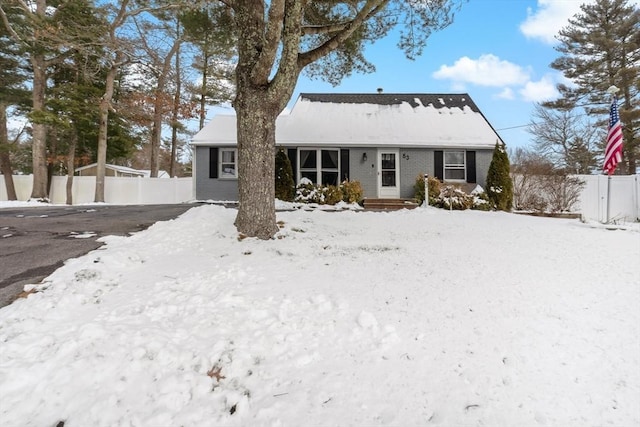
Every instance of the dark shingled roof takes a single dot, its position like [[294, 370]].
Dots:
[[437, 100]]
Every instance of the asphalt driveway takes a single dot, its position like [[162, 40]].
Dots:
[[36, 241]]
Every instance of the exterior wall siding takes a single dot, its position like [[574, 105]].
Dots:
[[364, 171], [413, 162], [483, 160], [211, 188]]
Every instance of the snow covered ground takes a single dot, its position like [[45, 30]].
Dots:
[[422, 317]]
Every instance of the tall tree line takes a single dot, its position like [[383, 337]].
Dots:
[[81, 61]]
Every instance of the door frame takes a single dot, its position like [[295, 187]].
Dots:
[[389, 192]]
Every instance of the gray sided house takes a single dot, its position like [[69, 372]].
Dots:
[[383, 140]]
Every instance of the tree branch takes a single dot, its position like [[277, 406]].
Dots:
[[288, 70], [8, 26], [324, 29], [371, 8], [262, 69]]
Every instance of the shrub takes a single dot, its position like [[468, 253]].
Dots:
[[331, 194], [434, 189], [562, 191], [352, 191], [480, 200], [499, 184], [419, 190], [307, 192], [453, 198], [285, 186]]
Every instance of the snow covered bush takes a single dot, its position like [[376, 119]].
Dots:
[[347, 191], [308, 192], [480, 199], [454, 198]]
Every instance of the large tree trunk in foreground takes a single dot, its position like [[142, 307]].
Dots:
[[256, 164]]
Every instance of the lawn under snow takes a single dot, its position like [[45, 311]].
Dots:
[[422, 317]]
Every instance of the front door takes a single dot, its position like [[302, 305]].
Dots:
[[388, 174]]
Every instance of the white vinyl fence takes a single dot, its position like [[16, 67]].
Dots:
[[117, 190], [624, 202]]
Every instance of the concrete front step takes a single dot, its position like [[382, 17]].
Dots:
[[389, 204]]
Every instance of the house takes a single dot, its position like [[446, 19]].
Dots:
[[119, 171], [383, 140]]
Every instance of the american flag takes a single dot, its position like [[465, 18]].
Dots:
[[613, 152]]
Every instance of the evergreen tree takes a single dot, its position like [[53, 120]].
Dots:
[[12, 93], [207, 29], [601, 47], [499, 185], [285, 184]]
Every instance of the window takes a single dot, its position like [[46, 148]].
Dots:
[[309, 165], [323, 172], [228, 163], [388, 169], [454, 166], [330, 167]]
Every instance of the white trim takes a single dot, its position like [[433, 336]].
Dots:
[[389, 192], [226, 175], [318, 169]]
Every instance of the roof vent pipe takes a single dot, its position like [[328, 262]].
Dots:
[[380, 90]]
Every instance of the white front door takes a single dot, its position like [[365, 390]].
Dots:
[[388, 174]]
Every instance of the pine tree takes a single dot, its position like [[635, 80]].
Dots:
[[499, 184], [285, 185], [599, 48]]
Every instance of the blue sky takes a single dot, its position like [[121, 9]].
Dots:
[[497, 51]]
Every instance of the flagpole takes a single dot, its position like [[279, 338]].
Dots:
[[608, 196], [612, 90]]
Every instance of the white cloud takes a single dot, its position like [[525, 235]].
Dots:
[[550, 17], [487, 70], [507, 93], [513, 80], [542, 90]]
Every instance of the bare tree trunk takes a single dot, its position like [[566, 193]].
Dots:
[[105, 105], [158, 107], [71, 168], [174, 118], [203, 96], [39, 137], [5, 159]]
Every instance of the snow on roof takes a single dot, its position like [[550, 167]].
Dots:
[[400, 120]]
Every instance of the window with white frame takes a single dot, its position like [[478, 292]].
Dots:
[[228, 163], [319, 166], [454, 166]]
